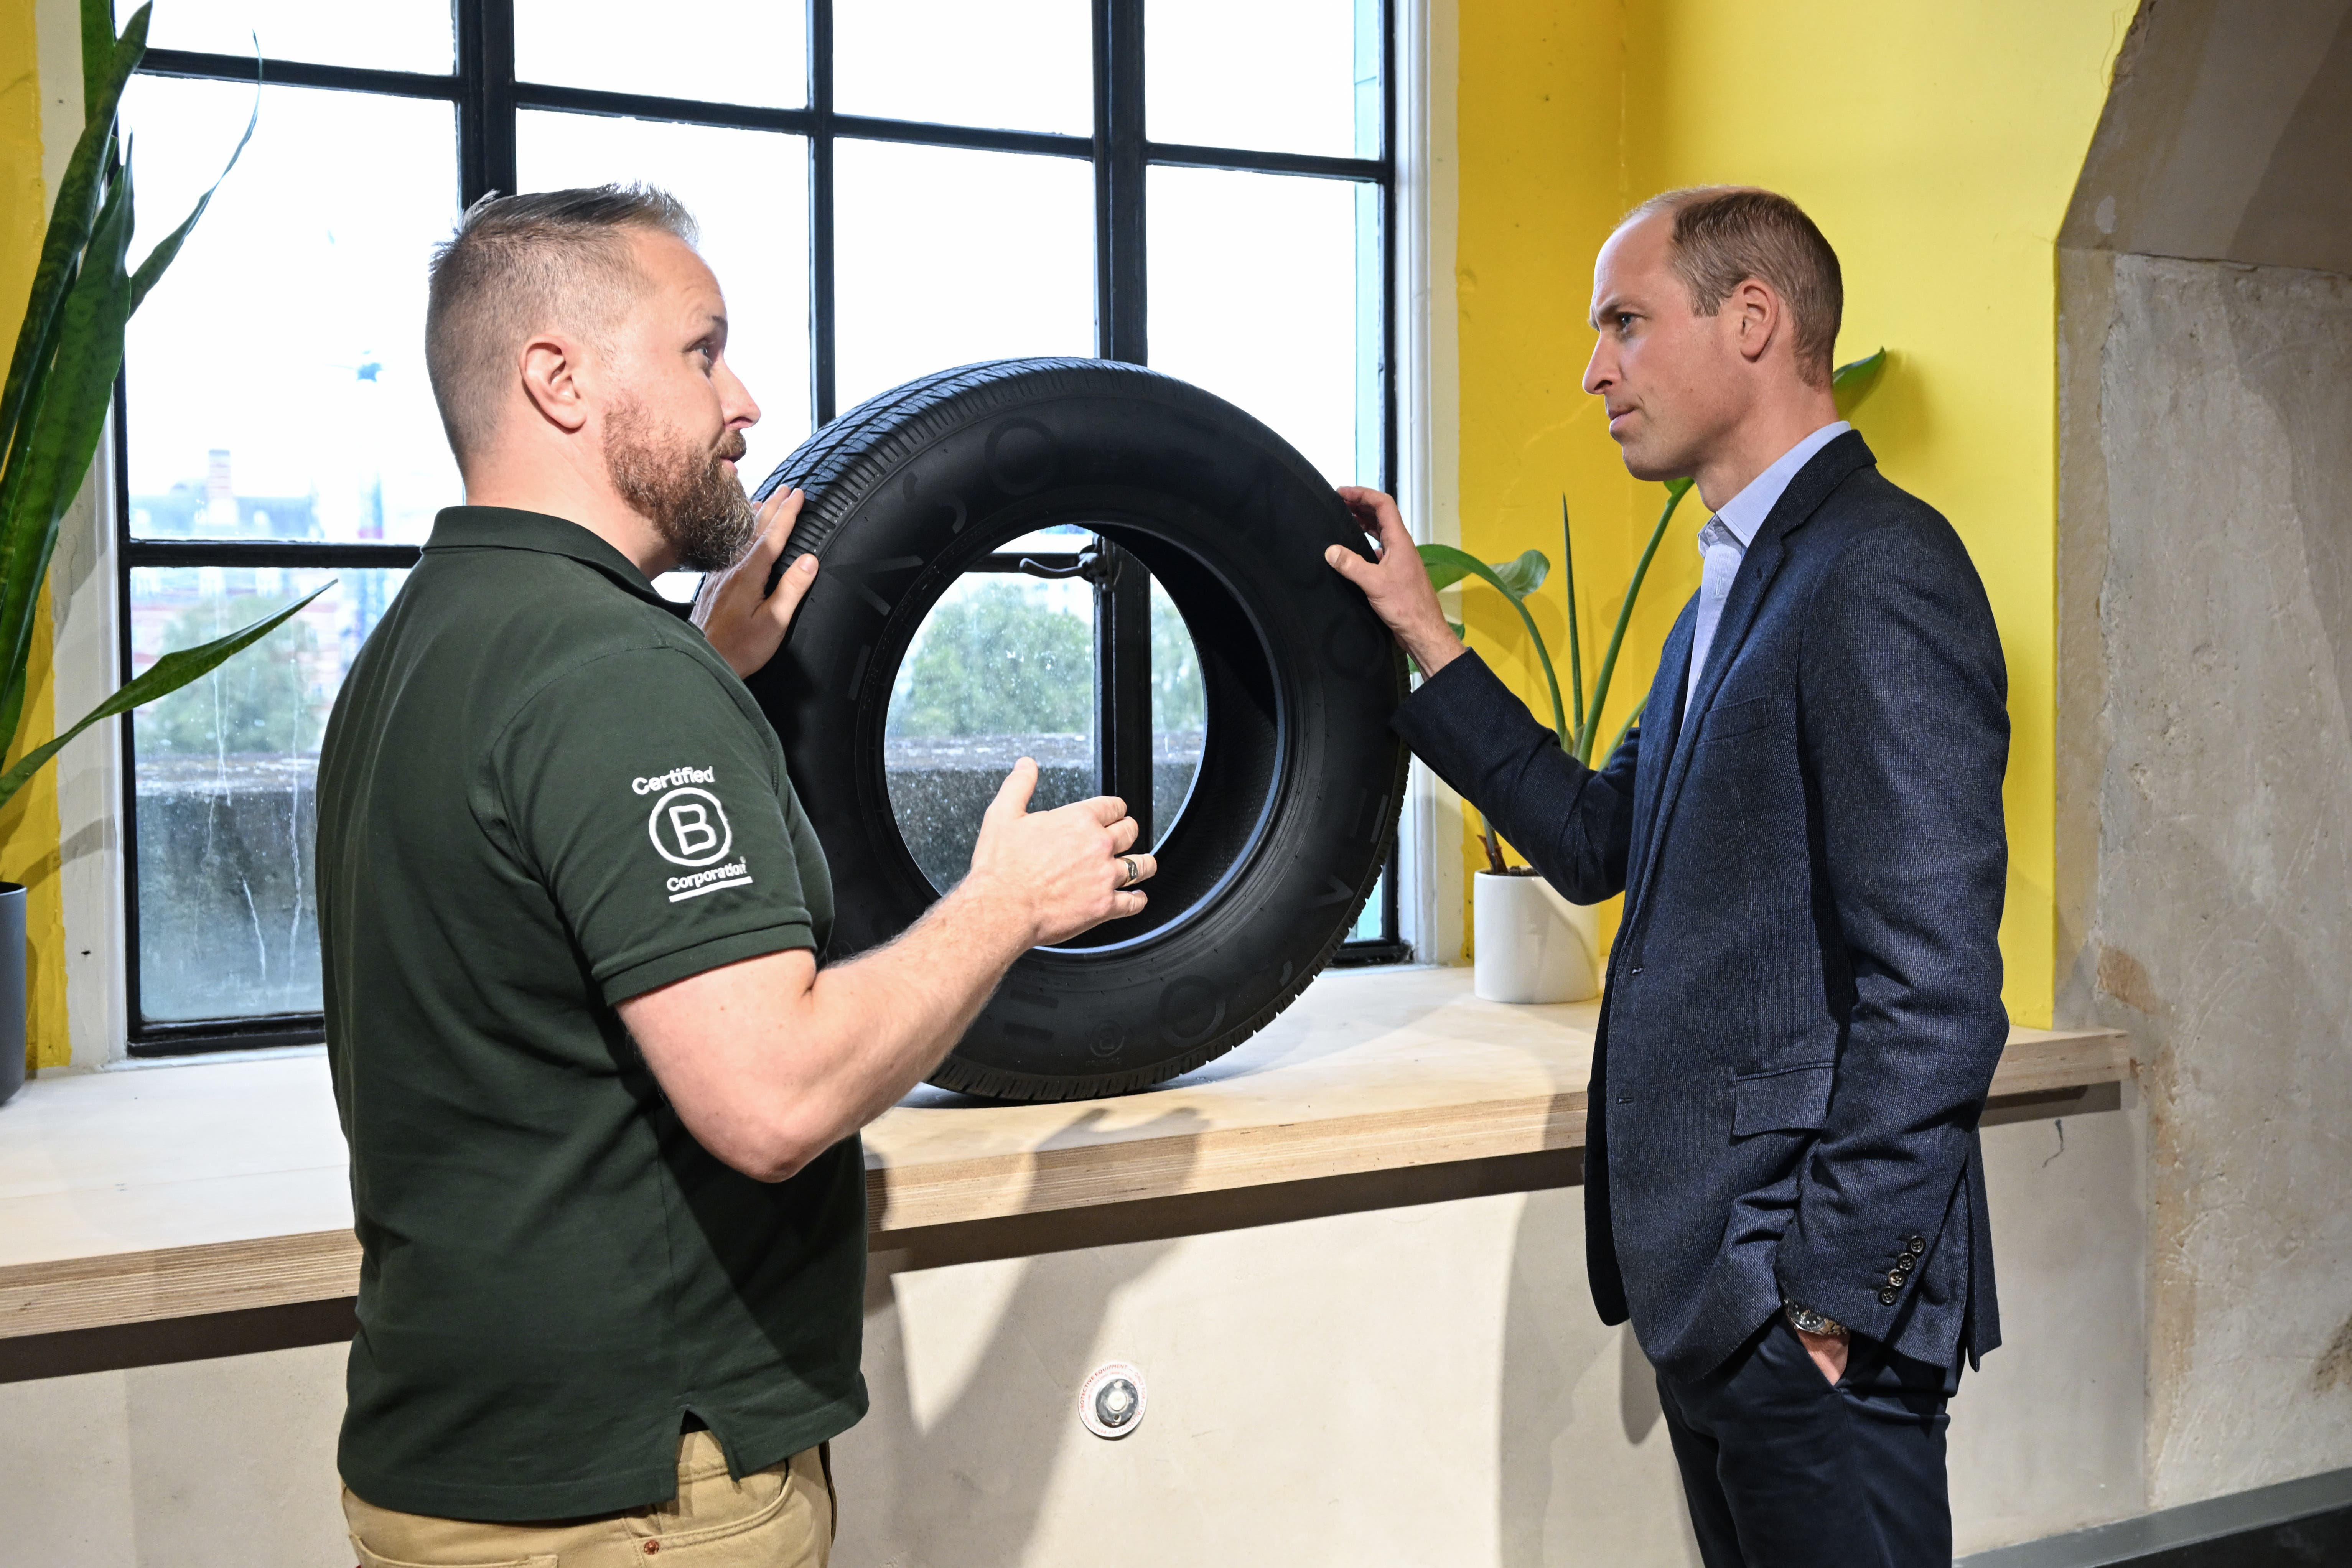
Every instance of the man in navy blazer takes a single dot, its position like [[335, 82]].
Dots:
[[1784, 1185]]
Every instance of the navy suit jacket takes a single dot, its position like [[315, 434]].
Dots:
[[1803, 1004]]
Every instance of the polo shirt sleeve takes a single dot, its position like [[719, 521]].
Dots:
[[649, 800]]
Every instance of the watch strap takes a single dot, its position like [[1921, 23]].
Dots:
[[1804, 1319]]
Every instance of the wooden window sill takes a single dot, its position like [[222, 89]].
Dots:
[[133, 1197]]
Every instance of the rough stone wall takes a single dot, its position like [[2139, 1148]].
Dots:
[[2208, 584]]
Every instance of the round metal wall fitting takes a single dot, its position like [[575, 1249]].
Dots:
[[1111, 1404]]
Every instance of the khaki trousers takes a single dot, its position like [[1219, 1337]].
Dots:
[[782, 1517]]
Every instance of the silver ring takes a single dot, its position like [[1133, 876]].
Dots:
[[1134, 873]]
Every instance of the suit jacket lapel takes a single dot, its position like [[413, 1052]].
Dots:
[[1806, 492], [1658, 744]]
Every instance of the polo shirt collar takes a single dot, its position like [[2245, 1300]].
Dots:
[[504, 528]]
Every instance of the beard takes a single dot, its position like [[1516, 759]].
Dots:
[[693, 500]]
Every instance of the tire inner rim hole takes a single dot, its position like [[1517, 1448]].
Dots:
[[1009, 661]]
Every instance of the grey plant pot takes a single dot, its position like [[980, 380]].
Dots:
[[12, 990]]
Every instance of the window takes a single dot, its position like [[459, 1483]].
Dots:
[[885, 187]]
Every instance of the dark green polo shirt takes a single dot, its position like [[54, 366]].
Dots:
[[541, 793]]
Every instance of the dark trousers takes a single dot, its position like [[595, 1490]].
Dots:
[[1784, 1469]]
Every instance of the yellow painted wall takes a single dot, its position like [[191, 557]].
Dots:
[[1935, 145], [28, 828]]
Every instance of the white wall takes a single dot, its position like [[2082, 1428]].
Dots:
[[1408, 1386]]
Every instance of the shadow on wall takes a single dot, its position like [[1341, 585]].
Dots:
[[1565, 1495], [967, 1482]]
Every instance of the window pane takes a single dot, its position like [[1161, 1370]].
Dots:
[[226, 800], [749, 192], [720, 50], [1002, 668], [1022, 64], [1300, 77], [387, 35], [276, 373], [1372, 920], [1178, 713], [945, 256], [1266, 288]]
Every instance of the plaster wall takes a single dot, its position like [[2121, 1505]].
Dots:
[[2207, 598], [1402, 1387], [29, 833]]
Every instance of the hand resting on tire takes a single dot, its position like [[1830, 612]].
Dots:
[[743, 621], [771, 1061], [1395, 583]]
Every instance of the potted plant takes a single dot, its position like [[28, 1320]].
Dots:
[[1529, 943], [61, 385]]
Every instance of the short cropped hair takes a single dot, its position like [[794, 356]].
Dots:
[[1725, 235], [519, 265]]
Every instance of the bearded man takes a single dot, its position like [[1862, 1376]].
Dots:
[[601, 1102]]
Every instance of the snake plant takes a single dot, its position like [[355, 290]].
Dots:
[[61, 382]]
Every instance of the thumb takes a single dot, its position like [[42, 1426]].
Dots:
[[790, 589], [1349, 565], [1013, 796]]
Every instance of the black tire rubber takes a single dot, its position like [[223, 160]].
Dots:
[[1294, 805]]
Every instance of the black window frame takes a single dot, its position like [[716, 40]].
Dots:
[[487, 97]]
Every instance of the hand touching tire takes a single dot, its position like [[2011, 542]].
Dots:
[[1058, 872], [743, 621]]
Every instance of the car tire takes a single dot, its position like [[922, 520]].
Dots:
[[1294, 809]]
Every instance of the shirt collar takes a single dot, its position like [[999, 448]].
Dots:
[[1745, 513], [503, 528]]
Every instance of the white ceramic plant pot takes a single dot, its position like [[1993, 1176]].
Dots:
[[1532, 945]]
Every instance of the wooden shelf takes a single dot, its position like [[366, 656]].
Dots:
[[161, 1192]]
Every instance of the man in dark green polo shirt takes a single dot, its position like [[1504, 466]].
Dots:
[[601, 1103]]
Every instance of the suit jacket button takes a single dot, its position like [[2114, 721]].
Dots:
[[1886, 1298], [1894, 1280], [1918, 1244], [1905, 1263]]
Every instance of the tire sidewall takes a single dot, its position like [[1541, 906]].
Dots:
[[1163, 466]]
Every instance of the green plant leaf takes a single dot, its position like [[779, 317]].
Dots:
[[1459, 563], [97, 47], [1852, 383], [166, 676], [1523, 575], [1517, 578], [53, 451], [1447, 566], [80, 195], [1582, 745], [1575, 641]]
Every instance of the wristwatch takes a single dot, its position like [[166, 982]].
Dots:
[[1804, 1319]]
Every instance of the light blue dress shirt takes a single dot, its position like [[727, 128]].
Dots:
[[1725, 540]]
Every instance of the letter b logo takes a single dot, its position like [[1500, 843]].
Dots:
[[689, 828], [689, 824]]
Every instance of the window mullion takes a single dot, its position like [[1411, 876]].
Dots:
[[1119, 285], [1123, 685], [486, 97], [1123, 592], [823, 357]]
